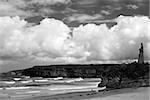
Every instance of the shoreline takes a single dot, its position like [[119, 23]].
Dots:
[[87, 95]]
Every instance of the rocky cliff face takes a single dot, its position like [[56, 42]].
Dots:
[[131, 71], [113, 75]]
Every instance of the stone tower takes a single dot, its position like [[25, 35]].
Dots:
[[141, 55]]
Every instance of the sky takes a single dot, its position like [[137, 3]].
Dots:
[[44, 32]]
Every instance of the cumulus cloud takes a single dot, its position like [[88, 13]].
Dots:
[[95, 39], [131, 31], [120, 42], [40, 39], [50, 41]]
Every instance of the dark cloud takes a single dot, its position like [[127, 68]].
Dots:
[[35, 10]]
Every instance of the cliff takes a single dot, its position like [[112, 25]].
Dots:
[[132, 71], [113, 75]]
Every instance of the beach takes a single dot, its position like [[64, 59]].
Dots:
[[19, 91], [70, 89], [141, 93]]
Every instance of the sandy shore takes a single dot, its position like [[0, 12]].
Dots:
[[141, 93], [119, 94], [40, 92]]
